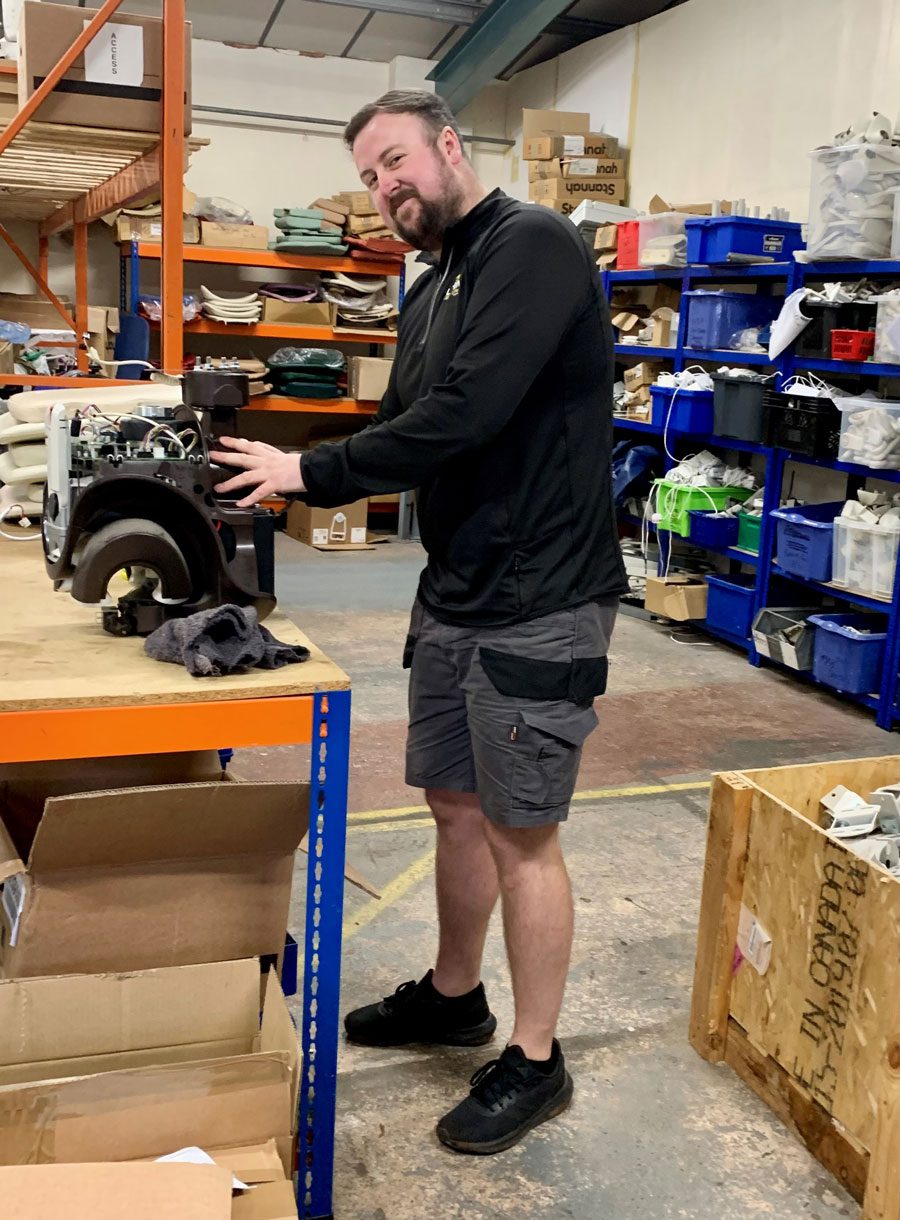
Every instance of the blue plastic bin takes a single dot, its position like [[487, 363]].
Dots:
[[707, 529], [692, 410], [715, 317], [805, 536], [846, 659], [729, 604], [710, 239]]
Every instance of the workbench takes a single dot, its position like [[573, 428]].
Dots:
[[69, 690]]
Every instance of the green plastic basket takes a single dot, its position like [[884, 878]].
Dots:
[[674, 502], [748, 532]]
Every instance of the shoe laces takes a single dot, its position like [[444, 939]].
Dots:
[[401, 996], [496, 1080]]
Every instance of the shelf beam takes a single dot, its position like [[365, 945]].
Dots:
[[119, 191], [271, 258]]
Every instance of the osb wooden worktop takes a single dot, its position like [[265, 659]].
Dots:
[[54, 653]]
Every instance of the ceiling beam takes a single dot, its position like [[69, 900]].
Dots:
[[455, 12], [496, 39]]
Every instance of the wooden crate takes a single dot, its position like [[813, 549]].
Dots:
[[817, 1034]]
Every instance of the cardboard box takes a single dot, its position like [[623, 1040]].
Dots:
[[576, 189], [368, 377], [32, 310], [600, 144], [329, 529], [81, 1024], [268, 1201], [569, 167], [142, 862], [554, 123], [645, 297], [665, 327], [678, 597], [565, 207], [546, 148], [644, 373], [149, 228], [332, 203], [358, 225], [103, 326], [232, 236], [359, 202], [657, 204], [110, 1191], [299, 313], [606, 237], [109, 90], [607, 260]]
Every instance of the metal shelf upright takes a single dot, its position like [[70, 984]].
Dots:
[[794, 275]]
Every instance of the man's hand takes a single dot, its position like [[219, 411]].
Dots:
[[266, 469]]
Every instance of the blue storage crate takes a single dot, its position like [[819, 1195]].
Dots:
[[715, 317], [710, 239], [805, 537], [848, 652], [729, 605], [692, 410], [710, 530]]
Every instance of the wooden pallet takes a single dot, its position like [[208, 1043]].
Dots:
[[51, 164], [817, 1034]]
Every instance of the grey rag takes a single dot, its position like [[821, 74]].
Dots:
[[221, 641]]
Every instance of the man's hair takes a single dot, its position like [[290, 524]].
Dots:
[[433, 111]]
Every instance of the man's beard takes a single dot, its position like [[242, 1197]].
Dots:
[[425, 231]]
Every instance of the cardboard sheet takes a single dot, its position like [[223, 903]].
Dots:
[[111, 1192]]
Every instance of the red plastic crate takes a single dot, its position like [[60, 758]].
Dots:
[[852, 344], [628, 245]]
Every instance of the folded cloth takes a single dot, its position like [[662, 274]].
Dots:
[[380, 245], [220, 641], [291, 292], [314, 243], [298, 213], [297, 224]]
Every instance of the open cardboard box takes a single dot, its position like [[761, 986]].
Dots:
[[111, 1191], [134, 863]]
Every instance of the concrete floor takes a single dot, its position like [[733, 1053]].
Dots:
[[654, 1131]]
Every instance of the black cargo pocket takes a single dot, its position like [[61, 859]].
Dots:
[[546, 768], [578, 681]]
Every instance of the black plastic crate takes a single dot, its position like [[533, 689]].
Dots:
[[739, 407], [815, 340], [811, 426]]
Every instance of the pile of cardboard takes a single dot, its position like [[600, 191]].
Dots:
[[356, 215], [568, 163], [138, 897], [638, 380], [646, 313]]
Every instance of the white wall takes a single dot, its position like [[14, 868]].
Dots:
[[731, 96]]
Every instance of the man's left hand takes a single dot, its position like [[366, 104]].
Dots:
[[266, 470]]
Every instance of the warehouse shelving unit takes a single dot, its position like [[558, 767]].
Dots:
[[884, 702], [65, 177], [133, 252]]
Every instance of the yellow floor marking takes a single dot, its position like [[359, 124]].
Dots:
[[417, 871], [391, 819], [380, 827]]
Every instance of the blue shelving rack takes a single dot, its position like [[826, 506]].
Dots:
[[769, 276]]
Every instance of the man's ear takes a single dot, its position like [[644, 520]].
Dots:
[[450, 143]]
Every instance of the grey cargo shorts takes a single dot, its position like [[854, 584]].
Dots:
[[504, 711]]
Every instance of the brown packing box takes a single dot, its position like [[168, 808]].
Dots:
[[103, 326], [658, 204], [299, 313], [142, 862], [645, 296], [546, 148], [332, 203], [232, 236], [642, 374], [268, 1201], [82, 1024], [329, 529], [46, 31], [554, 123], [610, 190], [32, 310], [368, 377], [565, 207], [665, 321], [149, 228], [676, 597], [599, 144], [9, 99], [359, 202], [112, 1191], [358, 225], [607, 260], [627, 322], [606, 237], [573, 167]]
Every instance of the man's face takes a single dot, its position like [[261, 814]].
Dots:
[[410, 177]]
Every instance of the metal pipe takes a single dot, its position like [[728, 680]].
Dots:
[[308, 118]]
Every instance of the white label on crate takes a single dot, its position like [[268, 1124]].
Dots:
[[320, 537], [754, 941], [573, 146], [12, 899], [156, 228], [773, 243], [358, 533], [115, 55]]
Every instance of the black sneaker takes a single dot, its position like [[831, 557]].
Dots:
[[509, 1097], [417, 1013]]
